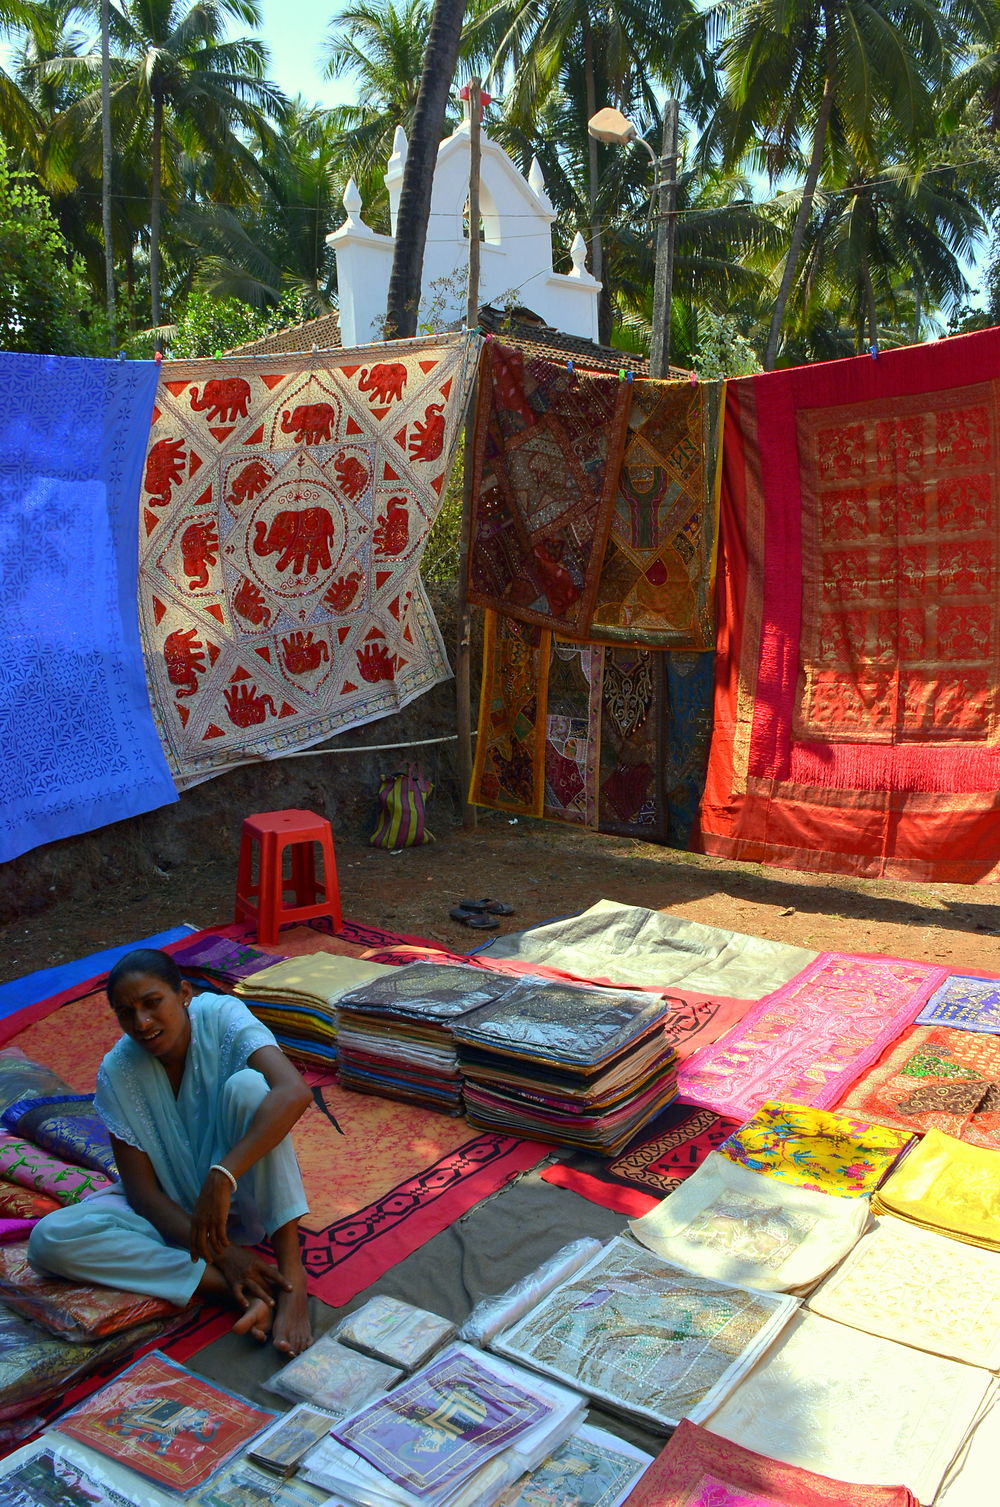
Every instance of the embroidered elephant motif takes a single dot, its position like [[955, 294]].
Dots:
[[302, 653], [343, 591], [225, 398], [164, 470], [383, 382], [249, 483], [245, 706], [301, 538], [184, 656], [199, 550], [376, 663], [311, 423], [250, 604], [352, 476], [427, 439], [392, 531]]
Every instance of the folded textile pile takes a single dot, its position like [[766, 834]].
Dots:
[[947, 1187], [297, 1000], [224, 959], [459, 1431], [812, 1148], [396, 1032], [649, 1339], [563, 1063]]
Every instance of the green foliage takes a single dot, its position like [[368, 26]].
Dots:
[[209, 326], [721, 350], [45, 303], [441, 554]]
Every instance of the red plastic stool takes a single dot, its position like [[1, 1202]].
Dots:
[[264, 901]]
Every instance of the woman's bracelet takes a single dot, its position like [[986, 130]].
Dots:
[[218, 1167]]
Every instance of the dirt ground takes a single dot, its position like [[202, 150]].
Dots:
[[545, 870]]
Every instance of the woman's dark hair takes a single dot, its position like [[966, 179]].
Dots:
[[144, 960]]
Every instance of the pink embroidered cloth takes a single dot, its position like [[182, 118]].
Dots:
[[26, 1164], [701, 1469], [812, 1038]]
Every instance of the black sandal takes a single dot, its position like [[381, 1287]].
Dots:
[[474, 918], [487, 907]]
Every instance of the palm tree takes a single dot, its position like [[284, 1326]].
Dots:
[[178, 85], [831, 70]]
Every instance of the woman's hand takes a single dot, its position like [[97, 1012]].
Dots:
[[253, 1283], [209, 1240]]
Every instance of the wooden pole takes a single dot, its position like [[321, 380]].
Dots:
[[463, 647], [109, 253], [666, 187]]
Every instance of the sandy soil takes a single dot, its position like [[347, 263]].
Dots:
[[545, 870]]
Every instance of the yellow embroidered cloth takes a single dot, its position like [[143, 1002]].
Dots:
[[317, 978], [947, 1186], [816, 1149]]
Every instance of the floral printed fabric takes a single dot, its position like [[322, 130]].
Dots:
[[26, 1164], [812, 1148]]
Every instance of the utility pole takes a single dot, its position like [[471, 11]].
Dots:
[[463, 648], [109, 253], [666, 175]]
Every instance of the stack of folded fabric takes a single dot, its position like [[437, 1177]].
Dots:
[[297, 1000], [459, 1430], [564, 1063], [948, 1187], [396, 1032], [224, 959]]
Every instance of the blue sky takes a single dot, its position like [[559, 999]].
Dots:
[[293, 30]]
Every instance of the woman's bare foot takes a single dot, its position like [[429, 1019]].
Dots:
[[291, 1331], [256, 1320]]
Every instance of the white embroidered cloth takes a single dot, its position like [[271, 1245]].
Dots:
[[739, 1226], [920, 1289], [857, 1408]]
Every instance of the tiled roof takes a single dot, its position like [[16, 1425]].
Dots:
[[323, 333]]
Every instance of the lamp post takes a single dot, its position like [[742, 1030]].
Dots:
[[611, 125]]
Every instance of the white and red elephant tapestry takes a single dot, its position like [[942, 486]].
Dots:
[[286, 503]]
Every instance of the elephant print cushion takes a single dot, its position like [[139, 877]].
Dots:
[[285, 506]]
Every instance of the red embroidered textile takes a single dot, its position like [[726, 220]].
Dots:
[[701, 1469], [857, 711]]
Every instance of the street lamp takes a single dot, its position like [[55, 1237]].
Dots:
[[611, 126]]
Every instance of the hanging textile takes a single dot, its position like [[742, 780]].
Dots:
[[609, 738], [857, 706], [657, 577], [80, 747], [548, 449], [285, 507]]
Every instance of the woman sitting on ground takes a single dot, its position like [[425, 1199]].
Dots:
[[199, 1100]]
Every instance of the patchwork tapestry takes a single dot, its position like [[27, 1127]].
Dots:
[[613, 739], [285, 508], [812, 1038], [701, 1469], [857, 715], [548, 449], [80, 747], [965, 1004], [658, 575], [935, 1078]]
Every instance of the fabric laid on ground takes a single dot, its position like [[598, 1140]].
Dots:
[[548, 449], [68, 1127], [72, 1310], [701, 1469], [25, 1203], [971, 1478], [285, 508], [26, 1164], [630, 946], [949, 1187], [658, 574], [811, 1039], [297, 999], [636, 1180], [845, 1404], [811, 1148], [42, 984], [754, 1231], [857, 689], [80, 747], [919, 1289], [224, 959], [604, 737], [935, 1078], [965, 1004], [36, 1367], [23, 1078], [648, 1338]]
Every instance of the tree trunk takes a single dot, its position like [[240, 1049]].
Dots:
[[605, 312], [805, 208], [418, 171], [109, 253], [870, 308], [154, 216]]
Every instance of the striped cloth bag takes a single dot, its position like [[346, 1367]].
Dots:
[[402, 818]]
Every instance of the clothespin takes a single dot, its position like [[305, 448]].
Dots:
[[216, 355], [621, 374], [120, 356], [569, 367], [873, 352], [693, 378], [157, 357], [629, 375]]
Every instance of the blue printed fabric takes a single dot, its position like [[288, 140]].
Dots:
[[80, 748], [966, 1004]]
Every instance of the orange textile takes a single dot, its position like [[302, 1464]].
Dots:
[[857, 710]]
